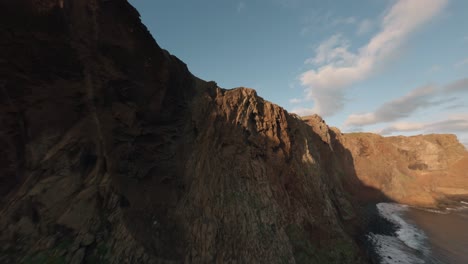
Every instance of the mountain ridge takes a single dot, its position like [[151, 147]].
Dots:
[[112, 151]]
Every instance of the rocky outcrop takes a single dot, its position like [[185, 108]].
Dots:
[[113, 152], [424, 170]]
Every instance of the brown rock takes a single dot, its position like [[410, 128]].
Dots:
[[104, 132], [424, 170], [419, 170]]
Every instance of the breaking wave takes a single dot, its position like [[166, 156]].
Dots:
[[409, 244]]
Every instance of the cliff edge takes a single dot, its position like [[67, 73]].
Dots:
[[424, 170], [111, 151]]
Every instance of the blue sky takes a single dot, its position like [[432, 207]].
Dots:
[[386, 66]]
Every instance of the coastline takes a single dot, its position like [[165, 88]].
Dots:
[[397, 233], [451, 202], [375, 223]]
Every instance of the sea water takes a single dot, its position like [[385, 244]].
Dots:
[[423, 236], [447, 232]]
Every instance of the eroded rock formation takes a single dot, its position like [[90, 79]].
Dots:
[[424, 170], [420, 170], [111, 151]]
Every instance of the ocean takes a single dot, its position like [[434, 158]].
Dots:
[[422, 236]]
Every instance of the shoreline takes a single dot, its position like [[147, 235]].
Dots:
[[406, 240], [377, 224], [446, 205], [452, 201]]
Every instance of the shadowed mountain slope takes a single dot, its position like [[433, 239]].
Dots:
[[113, 152]]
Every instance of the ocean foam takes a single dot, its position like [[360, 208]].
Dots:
[[410, 243], [391, 250], [407, 233], [446, 211]]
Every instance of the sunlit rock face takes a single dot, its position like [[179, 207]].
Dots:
[[423, 170], [419, 170], [111, 151]]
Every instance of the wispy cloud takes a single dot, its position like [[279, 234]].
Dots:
[[333, 50], [303, 111], [452, 125], [326, 84], [419, 98], [365, 26], [240, 6], [396, 109], [295, 101]]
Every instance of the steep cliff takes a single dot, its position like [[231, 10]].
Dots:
[[424, 170], [112, 152]]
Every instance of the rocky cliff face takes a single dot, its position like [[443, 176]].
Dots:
[[424, 170], [419, 170], [112, 152]]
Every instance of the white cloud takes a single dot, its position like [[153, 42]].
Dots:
[[396, 109], [422, 97], [334, 50], [302, 111], [295, 101], [325, 84], [451, 125], [365, 26], [240, 6]]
